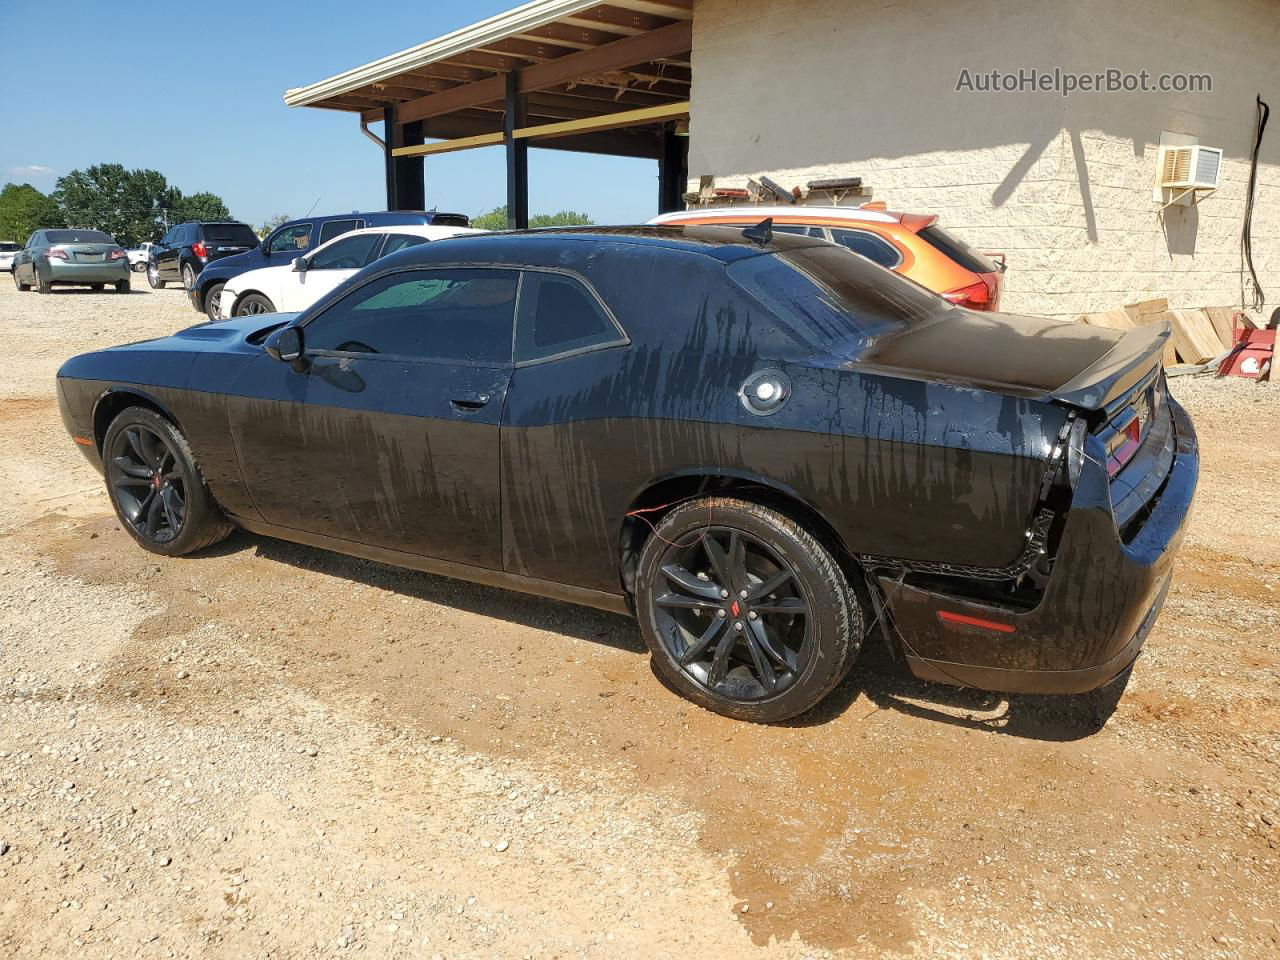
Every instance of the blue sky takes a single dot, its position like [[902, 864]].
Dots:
[[197, 96]]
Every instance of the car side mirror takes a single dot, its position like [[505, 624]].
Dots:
[[288, 346], [300, 265]]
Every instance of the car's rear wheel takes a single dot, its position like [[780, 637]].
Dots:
[[212, 300], [122, 286], [42, 284], [155, 486], [97, 287], [153, 277], [188, 277], [744, 611], [252, 304]]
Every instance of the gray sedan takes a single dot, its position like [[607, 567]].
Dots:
[[71, 258]]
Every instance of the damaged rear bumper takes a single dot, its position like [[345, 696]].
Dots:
[[1099, 605]]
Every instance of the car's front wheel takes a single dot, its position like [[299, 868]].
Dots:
[[744, 611], [252, 304], [22, 287], [155, 486], [153, 277], [212, 301]]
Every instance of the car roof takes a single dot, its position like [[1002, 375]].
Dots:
[[796, 211], [721, 243], [429, 230]]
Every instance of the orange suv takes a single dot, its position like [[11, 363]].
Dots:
[[911, 244]]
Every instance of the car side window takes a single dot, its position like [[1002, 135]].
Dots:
[[33, 241], [455, 313], [349, 253], [295, 239], [868, 245], [336, 228], [558, 315], [399, 241]]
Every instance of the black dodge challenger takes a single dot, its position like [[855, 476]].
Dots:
[[765, 447]]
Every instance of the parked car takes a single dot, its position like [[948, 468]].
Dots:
[[140, 256], [912, 244], [297, 285], [58, 258], [7, 251], [759, 445], [296, 237], [187, 248]]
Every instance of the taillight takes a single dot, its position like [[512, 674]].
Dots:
[[53, 253], [1123, 446], [116, 254], [976, 296], [199, 249]]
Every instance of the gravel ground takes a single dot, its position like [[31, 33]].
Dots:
[[272, 751]]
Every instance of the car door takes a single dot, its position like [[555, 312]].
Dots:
[[326, 268], [26, 257], [165, 254], [389, 434]]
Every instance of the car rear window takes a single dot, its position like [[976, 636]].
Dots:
[[5, 247], [77, 236], [239, 233], [834, 299], [450, 220], [956, 249]]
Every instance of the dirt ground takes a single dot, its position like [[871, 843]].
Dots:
[[273, 751]]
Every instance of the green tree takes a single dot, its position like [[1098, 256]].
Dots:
[[496, 219], [272, 222], [131, 205], [23, 209], [200, 206]]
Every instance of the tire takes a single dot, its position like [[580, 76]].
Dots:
[[152, 477], [122, 286], [153, 277], [42, 285], [97, 287], [251, 304], [188, 277], [762, 665], [22, 287], [137, 267], [212, 300]]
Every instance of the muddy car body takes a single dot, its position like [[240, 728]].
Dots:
[[763, 447]]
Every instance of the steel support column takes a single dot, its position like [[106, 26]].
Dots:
[[673, 170], [513, 119], [406, 183]]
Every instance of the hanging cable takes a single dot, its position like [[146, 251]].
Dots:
[[1257, 299]]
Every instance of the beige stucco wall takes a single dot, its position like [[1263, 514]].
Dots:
[[803, 89]]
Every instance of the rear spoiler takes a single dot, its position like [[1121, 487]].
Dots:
[[1120, 369]]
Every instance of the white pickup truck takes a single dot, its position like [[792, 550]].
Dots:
[[139, 256]]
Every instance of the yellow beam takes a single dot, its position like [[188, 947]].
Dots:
[[448, 146], [606, 121], [567, 128]]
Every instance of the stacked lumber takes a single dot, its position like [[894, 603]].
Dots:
[[1198, 335]]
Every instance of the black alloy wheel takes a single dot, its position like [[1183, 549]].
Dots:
[[147, 483], [744, 611], [156, 488], [213, 300], [733, 614], [252, 305]]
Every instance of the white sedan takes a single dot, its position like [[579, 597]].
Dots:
[[287, 289]]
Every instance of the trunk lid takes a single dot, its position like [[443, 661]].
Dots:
[[88, 252], [1077, 364]]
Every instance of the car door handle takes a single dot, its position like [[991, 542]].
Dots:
[[470, 401]]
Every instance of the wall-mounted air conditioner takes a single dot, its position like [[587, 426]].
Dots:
[[1187, 172]]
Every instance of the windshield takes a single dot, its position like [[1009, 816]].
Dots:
[[77, 236], [834, 299], [238, 233]]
